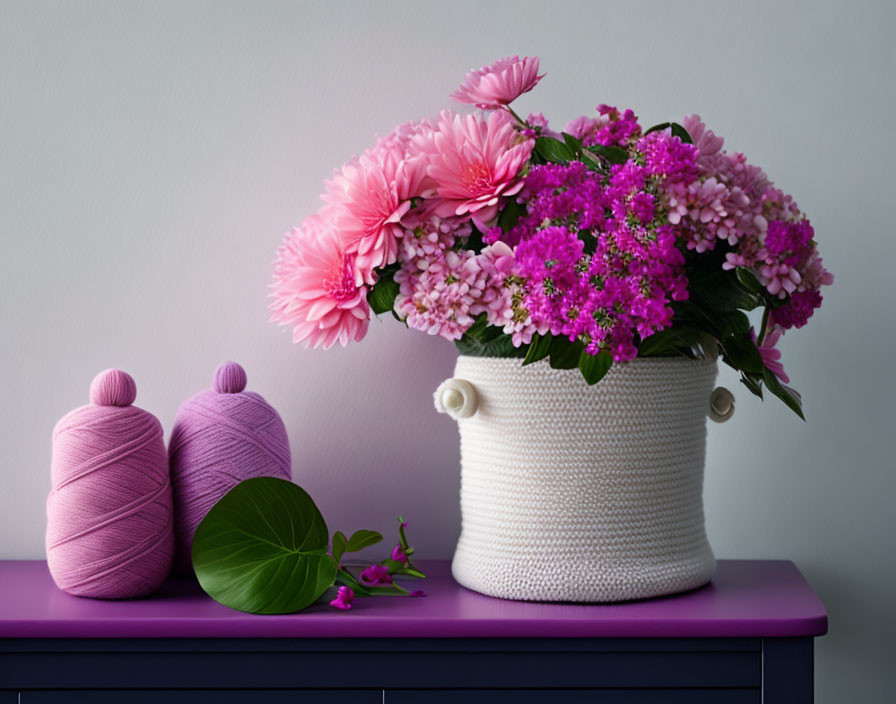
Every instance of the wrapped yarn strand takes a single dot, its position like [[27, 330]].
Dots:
[[110, 512], [220, 437]]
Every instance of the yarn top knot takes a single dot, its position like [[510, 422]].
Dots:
[[113, 387], [230, 378]]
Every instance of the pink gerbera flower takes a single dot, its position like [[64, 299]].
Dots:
[[474, 162], [368, 198], [771, 357], [314, 287], [500, 83]]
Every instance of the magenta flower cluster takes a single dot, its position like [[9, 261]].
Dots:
[[467, 218], [609, 128], [596, 260]]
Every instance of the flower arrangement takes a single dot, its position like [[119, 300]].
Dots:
[[587, 247]]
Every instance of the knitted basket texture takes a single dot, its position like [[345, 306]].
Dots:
[[581, 493]]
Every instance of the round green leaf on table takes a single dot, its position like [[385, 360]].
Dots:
[[263, 548]]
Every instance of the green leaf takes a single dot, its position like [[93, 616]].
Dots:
[[734, 322], [478, 328], [393, 565], [789, 396], [484, 340], [694, 315], [614, 155], [740, 352], [573, 143], [676, 129], [363, 539], [344, 577], [595, 366], [752, 382], [681, 133], [716, 323], [339, 544], [553, 150], [565, 354], [722, 291], [657, 128], [511, 214], [670, 342], [381, 296], [262, 548], [749, 281], [592, 161], [498, 347], [539, 348]]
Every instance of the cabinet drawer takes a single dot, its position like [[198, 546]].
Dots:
[[573, 696], [201, 696]]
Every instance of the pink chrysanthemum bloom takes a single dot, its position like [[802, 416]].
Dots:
[[474, 163], [368, 198], [400, 139], [500, 83], [314, 287]]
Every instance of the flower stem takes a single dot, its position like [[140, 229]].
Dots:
[[515, 116]]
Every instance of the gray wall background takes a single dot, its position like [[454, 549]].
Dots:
[[151, 155]]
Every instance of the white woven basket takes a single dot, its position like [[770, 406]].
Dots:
[[572, 492]]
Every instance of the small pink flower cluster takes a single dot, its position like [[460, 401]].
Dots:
[[735, 202], [590, 234], [344, 598]]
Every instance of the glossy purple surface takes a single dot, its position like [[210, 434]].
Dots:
[[747, 598]]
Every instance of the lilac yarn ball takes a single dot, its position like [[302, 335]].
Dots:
[[221, 436], [110, 513]]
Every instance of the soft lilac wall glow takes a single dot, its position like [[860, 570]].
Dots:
[[152, 154]]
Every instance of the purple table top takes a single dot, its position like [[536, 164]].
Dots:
[[747, 598]]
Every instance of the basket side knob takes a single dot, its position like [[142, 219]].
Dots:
[[721, 404], [457, 398]]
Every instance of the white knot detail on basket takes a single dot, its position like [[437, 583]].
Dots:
[[572, 492]]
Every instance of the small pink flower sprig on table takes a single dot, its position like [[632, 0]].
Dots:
[[586, 247], [377, 579]]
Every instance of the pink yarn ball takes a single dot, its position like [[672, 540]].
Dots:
[[221, 436], [110, 513]]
